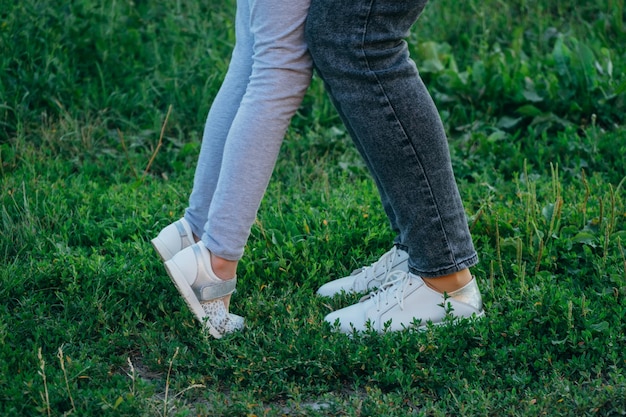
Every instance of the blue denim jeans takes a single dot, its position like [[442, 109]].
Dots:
[[358, 49]]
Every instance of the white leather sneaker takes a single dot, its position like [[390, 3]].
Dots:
[[191, 272], [173, 238], [368, 277], [405, 301]]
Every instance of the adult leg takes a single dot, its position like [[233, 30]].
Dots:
[[359, 51]]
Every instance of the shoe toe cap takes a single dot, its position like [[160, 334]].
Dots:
[[330, 289], [347, 319]]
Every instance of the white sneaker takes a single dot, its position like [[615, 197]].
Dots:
[[191, 272], [405, 301], [368, 277], [173, 238]]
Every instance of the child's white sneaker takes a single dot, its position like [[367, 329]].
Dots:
[[190, 270], [173, 238]]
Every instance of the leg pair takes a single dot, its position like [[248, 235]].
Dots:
[[358, 50], [269, 72], [267, 78]]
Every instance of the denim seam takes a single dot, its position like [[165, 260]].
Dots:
[[450, 254]]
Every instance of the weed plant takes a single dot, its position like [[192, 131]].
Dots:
[[101, 111]]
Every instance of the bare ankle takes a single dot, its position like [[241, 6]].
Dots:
[[223, 268], [451, 282]]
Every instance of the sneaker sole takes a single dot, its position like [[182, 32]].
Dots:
[[421, 328], [474, 317], [190, 298]]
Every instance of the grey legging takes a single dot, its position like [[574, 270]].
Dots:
[[268, 75]]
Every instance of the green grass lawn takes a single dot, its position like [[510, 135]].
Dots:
[[101, 113]]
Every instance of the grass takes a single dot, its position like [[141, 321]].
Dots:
[[93, 164]]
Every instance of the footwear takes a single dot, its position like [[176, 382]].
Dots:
[[405, 301], [173, 238], [369, 277], [191, 272]]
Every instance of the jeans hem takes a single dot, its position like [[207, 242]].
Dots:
[[459, 266]]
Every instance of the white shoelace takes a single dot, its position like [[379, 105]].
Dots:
[[370, 272], [394, 286]]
